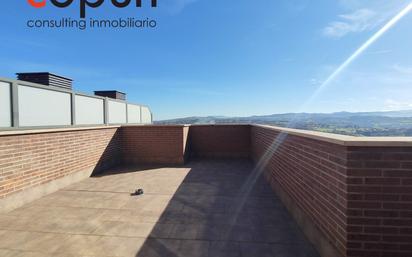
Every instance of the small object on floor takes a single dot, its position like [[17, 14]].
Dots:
[[138, 192]]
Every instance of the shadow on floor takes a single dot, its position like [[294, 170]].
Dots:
[[223, 209], [205, 208]]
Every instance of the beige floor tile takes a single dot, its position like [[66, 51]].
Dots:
[[184, 212], [119, 246], [125, 229], [79, 245], [17, 240], [45, 242]]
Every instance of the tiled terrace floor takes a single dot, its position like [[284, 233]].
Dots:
[[197, 210]]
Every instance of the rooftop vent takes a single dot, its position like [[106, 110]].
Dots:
[[111, 94], [46, 78]]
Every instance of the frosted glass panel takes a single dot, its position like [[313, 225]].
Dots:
[[133, 113], [146, 116], [39, 107], [89, 111], [117, 112], [5, 105]]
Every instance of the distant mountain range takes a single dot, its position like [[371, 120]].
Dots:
[[392, 123]]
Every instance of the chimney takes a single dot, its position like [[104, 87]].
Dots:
[[111, 94], [47, 79]]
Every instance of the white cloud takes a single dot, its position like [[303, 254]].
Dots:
[[362, 15], [405, 70], [392, 105], [354, 22], [314, 82]]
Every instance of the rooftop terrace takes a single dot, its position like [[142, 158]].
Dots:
[[199, 209], [226, 190]]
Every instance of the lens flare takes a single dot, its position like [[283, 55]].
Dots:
[[279, 140], [358, 52]]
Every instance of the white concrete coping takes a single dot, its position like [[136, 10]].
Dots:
[[51, 130], [345, 140], [325, 137], [157, 125]]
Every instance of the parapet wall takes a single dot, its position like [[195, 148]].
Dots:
[[154, 144], [379, 208], [352, 196], [219, 141], [176, 144], [311, 173], [31, 160]]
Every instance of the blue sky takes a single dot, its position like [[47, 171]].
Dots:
[[233, 58]]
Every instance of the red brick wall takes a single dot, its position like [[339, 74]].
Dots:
[[219, 140], [172, 144], [360, 198], [312, 173], [29, 160], [380, 201], [153, 144]]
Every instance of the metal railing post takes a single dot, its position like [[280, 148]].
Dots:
[[106, 111], [127, 113], [15, 105], [141, 116], [73, 109]]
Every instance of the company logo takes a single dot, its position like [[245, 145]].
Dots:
[[37, 4], [86, 3]]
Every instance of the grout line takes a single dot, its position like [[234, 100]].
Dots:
[[149, 237], [174, 195], [96, 191], [136, 209], [51, 253]]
